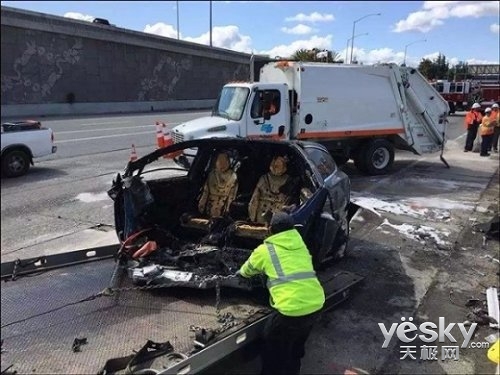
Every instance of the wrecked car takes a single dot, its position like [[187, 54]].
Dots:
[[194, 222]]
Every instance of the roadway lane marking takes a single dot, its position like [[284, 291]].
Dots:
[[102, 123], [101, 137], [102, 130]]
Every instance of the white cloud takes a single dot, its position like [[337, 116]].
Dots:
[[313, 17], [375, 56], [481, 62], [315, 41], [300, 29], [388, 55], [452, 60], [161, 29], [79, 16], [495, 28], [228, 37], [434, 13]]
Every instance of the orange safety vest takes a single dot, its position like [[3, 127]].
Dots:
[[487, 127], [471, 116], [495, 117]]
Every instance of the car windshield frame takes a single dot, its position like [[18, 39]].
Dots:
[[231, 102]]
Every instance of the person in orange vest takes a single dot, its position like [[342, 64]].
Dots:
[[495, 120], [486, 133], [472, 121]]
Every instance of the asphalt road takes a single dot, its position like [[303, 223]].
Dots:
[[409, 240]]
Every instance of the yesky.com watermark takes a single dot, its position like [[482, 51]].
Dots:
[[430, 333]]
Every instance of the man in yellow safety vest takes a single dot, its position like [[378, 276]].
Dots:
[[295, 293], [495, 120], [487, 131]]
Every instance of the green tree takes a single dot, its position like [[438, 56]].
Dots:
[[302, 55], [426, 68], [459, 72], [442, 67], [434, 69]]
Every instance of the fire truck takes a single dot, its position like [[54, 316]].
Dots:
[[460, 95]]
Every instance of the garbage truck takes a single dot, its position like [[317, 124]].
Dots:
[[359, 113]]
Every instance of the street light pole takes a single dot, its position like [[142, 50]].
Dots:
[[210, 23], [347, 45], [354, 29], [177, 8], [409, 44]]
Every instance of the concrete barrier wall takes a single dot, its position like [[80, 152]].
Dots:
[[54, 65]]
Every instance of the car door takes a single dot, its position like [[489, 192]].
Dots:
[[269, 114], [332, 227]]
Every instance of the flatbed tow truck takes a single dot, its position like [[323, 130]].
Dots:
[[76, 313]]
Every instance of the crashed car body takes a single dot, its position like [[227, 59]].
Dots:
[[159, 204]]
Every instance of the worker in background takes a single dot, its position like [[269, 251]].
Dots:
[[486, 133], [472, 121], [495, 120], [295, 294]]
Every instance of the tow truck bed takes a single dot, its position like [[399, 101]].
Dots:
[[119, 325]]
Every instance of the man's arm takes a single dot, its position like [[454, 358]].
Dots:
[[254, 264]]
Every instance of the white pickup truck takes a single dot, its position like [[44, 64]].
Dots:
[[23, 141]]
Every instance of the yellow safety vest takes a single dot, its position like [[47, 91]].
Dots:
[[293, 286], [487, 127]]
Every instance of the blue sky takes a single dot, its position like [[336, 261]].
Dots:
[[461, 30]]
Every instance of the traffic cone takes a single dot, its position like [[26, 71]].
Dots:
[[167, 141], [159, 135], [167, 137], [133, 154]]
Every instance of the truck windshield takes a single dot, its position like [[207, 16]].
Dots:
[[231, 103]]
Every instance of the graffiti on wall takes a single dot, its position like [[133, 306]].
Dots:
[[163, 79], [33, 81]]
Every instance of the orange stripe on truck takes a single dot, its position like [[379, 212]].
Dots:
[[275, 137], [349, 133]]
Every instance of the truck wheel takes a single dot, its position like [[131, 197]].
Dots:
[[15, 163], [377, 157]]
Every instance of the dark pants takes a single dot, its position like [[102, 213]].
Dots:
[[486, 144], [285, 338], [495, 138], [471, 136]]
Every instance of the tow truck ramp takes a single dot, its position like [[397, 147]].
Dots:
[[58, 318]]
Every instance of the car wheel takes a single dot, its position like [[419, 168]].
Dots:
[[15, 163], [378, 157]]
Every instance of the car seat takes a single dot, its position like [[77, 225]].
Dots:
[[269, 195], [218, 191]]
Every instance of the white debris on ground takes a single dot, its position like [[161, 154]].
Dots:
[[418, 207], [428, 209], [92, 197], [421, 233]]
